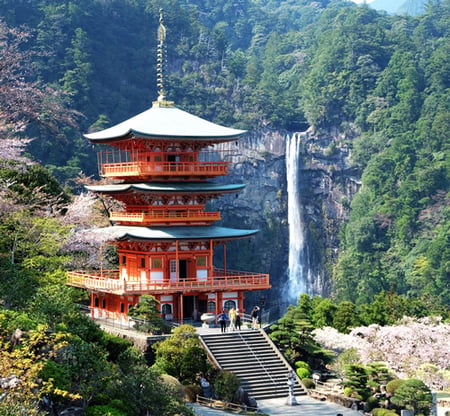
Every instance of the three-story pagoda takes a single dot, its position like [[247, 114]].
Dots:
[[162, 163]]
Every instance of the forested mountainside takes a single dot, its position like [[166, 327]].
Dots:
[[380, 83]]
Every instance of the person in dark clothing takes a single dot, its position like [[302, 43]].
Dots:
[[222, 319], [238, 320], [255, 317]]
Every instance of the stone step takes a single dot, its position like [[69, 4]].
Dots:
[[254, 360]]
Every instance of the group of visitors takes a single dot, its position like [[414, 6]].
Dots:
[[234, 318]]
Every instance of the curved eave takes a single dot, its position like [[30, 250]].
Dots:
[[165, 123], [124, 233], [194, 187]]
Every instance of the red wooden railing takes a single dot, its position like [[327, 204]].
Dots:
[[109, 281], [165, 216], [207, 169]]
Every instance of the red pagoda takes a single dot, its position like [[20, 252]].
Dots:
[[162, 163]]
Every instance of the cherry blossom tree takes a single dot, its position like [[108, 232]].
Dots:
[[23, 99], [413, 348]]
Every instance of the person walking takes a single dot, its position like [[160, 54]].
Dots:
[[232, 316], [222, 319], [238, 320], [255, 317]]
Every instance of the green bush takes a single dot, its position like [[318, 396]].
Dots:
[[308, 383], [414, 394], [356, 395], [195, 361], [303, 373], [226, 385], [103, 410], [374, 386], [393, 385], [115, 345], [371, 403], [348, 391], [383, 412], [302, 364]]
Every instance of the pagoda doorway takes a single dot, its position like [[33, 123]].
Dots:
[[182, 269], [178, 272], [190, 308]]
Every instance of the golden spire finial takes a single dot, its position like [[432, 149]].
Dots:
[[161, 57], [161, 65]]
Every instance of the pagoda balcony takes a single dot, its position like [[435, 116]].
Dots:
[[110, 282], [164, 169], [166, 216], [173, 214]]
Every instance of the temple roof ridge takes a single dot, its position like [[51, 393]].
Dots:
[[166, 123], [171, 233], [167, 187]]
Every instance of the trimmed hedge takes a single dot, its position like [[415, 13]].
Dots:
[[308, 383], [383, 412], [303, 373]]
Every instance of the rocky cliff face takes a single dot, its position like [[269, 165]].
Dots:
[[327, 184]]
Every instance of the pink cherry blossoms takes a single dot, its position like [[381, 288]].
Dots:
[[417, 348]]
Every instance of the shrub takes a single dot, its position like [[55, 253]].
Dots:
[[348, 391], [180, 355], [226, 385], [195, 361], [393, 385], [308, 383], [356, 395], [371, 403], [103, 410], [115, 345], [374, 386], [413, 394], [383, 412], [302, 364], [303, 373]]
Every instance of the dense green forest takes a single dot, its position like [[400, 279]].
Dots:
[[382, 81]]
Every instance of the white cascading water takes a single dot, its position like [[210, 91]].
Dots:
[[299, 275]]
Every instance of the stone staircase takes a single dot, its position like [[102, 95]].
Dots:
[[255, 360]]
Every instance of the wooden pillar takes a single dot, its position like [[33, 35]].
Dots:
[[219, 301], [240, 300], [225, 258], [181, 310], [211, 253], [177, 271], [92, 304]]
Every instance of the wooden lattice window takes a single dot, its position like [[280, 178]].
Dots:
[[211, 307], [229, 304], [156, 263], [201, 261], [166, 308]]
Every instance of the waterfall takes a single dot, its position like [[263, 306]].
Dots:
[[299, 274]]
